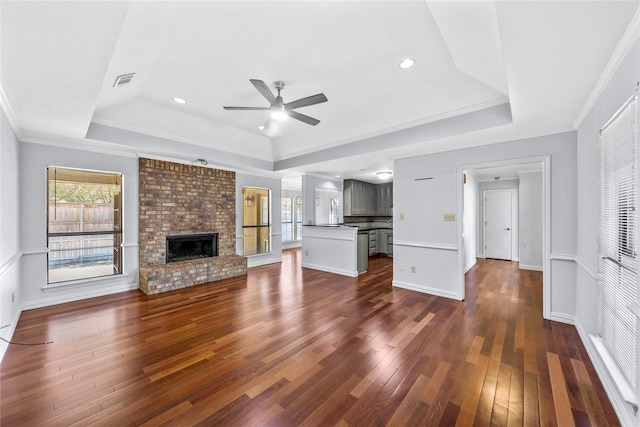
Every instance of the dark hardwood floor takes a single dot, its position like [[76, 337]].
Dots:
[[286, 346]]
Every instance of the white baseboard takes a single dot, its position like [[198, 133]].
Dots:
[[8, 335], [562, 318], [471, 266], [85, 294], [258, 261], [426, 290], [530, 267], [331, 270]]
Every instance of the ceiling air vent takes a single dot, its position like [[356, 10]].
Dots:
[[123, 79]]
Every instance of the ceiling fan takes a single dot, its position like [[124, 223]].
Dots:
[[281, 110]]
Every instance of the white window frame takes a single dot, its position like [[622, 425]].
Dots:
[[617, 340], [84, 235]]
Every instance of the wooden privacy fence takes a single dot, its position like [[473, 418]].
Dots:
[[80, 218]]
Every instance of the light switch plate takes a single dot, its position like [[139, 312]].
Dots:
[[450, 217]]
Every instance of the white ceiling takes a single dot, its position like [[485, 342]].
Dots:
[[542, 59]]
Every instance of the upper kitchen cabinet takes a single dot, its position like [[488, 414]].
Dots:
[[365, 199], [384, 199]]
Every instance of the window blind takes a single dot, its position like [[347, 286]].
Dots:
[[618, 238]]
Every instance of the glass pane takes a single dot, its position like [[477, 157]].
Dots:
[[298, 218], [286, 212], [287, 232], [256, 220], [81, 257], [80, 203]]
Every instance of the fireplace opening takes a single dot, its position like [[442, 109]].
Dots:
[[187, 247]]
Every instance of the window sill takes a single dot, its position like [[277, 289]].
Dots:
[[85, 282], [618, 377]]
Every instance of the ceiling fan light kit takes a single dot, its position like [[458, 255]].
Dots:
[[279, 110]]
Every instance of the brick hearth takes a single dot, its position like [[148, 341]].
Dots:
[[184, 199]]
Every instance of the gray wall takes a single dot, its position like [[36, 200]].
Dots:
[[10, 254], [423, 240], [29, 170], [34, 160], [309, 185], [530, 220], [621, 87]]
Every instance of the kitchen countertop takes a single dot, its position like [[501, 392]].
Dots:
[[366, 229], [361, 229]]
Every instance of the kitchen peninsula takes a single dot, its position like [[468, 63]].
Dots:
[[344, 249], [332, 248]]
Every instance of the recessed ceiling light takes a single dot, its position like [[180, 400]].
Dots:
[[179, 100], [337, 176], [384, 174], [407, 63], [261, 127]]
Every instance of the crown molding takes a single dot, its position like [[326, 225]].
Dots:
[[625, 44], [10, 114]]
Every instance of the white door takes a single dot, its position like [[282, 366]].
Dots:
[[497, 224]]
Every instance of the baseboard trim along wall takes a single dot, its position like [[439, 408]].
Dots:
[[256, 261], [530, 267], [331, 270], [11, 328], [426, 290], [85, 294], [562, 318]]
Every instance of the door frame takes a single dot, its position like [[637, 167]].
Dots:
[[515, 229], [546, 222]]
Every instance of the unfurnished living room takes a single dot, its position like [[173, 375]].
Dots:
[[323, 213]]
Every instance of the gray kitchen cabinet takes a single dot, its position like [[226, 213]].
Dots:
[[385, 242], [382, 241], [373, 242], [365, 199], [347, 197], [384, 199]]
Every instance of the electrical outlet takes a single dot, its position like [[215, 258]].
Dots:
[[450, 217], [401, 217], [413, 268], [306, 253]]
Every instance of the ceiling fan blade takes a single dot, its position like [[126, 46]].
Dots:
[[264, 90], [309, 100], [246, 108], [306, 119]]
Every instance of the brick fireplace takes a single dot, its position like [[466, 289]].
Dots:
[[177, 199]]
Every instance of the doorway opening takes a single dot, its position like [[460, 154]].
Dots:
[[505, 213]]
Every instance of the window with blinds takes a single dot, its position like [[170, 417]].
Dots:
[[618, 239]]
